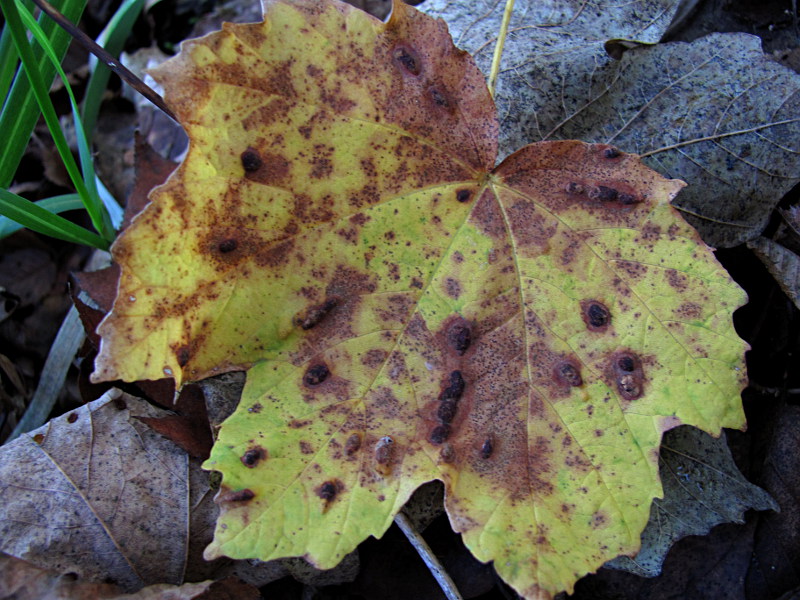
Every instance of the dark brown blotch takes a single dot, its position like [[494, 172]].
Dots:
[[407, 60], [253, 456], [439, 434], [569, 373], [596, 315], [626, 363], [439, 97], [459, 337], [611, 153], [182, 355], [628, 199], [329, 490], [463, 195], [487, 448], [447, 411], [603, 193], [229, 245], [316, 374], [352, 445], [454, 387], [251, 160], [314, 314], [244, 495], [627, 370], [574, 187], [72, 417]]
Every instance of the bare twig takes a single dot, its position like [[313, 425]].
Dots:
[[433, 564], [104, 57]]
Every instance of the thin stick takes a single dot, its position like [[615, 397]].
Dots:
[[433, 564], [498, 49], [104, 57]]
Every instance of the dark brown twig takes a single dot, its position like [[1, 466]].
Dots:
[[106, 58]]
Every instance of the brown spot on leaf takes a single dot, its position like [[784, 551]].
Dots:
[[38, 438], [329, 490], [439, 434], [316, 374], [626, 368], [463, 195], [453, 287], [599, 519], [596, 315], [447, 411], [459, 336], [253, 456], [228, 245], [373, 358], [487, 216], [256, 408], [269, 169], [573, 187], [72, 417], [603, 193], [689, 310], [244, 495], [251, 160], [384, 449], [314, 314], [447, 454], [407, 59], [441, 98], [453, 387], [611, 153], [352, 445], [182, 354], [487, 447], [568, 373], [306, 448], [677, 280]]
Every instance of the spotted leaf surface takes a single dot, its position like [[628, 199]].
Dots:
[[407, 311]]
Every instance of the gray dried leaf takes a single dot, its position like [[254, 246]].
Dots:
[[782, 263], [554, 57], [97, 493], [702, 488]]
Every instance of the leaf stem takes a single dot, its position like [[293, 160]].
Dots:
[[498, 49], [428, 557]]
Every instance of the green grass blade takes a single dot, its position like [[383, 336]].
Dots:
[[83, 179], [9, 61], [112, 38], [34, 217], [54, 205], [20, 111]]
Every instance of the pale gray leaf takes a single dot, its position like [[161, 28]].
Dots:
[[702, 488], [554, 57]]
